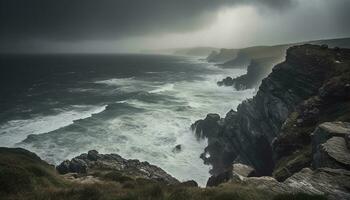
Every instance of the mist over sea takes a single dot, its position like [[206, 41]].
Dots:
[[138, 106]]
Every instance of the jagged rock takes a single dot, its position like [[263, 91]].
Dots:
[[208, 127], [257, 70], [222, 56], [74, 166], [78, 166], [240, 171], [216, 180], [334, 154], [63, 168], [328, 130], [93, 155], [329, 145], [228, 81], [177, 148], [256, 132], [190, 183], [334, 183], [211, 56], [93, 161], [292, 164]]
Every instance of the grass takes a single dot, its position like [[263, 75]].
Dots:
[[299, 196], [292, 163], [24, 176]]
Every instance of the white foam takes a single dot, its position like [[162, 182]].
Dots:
[[15, 131], [117, 81], [151, 134], [130, 84], [163, 88]]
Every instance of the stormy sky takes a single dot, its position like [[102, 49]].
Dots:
[[133, 25]]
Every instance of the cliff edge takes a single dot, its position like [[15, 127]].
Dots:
[[273, 132]]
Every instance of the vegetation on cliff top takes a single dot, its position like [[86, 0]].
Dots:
[[23, 175]]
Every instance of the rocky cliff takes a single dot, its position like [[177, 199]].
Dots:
[[260, 60], [222, 56], [240, 58], [92, 161], [272, 131], [257, 70]]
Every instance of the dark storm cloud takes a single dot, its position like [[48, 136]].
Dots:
[[342, 14], [67, 20]]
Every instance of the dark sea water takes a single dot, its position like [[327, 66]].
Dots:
[[139, 106]]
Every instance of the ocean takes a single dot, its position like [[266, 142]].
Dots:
[[138, 106]]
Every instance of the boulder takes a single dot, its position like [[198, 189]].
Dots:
[[93, 155], [228, 81], [93, 161], [208, 127], [177, 148], [333, 154], [334, 183], [240, 171], [329, 146]]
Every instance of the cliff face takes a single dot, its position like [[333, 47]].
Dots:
[[260, 60], [222, 56], [310, 87], [241, 58], [93, 161], [257, 70]]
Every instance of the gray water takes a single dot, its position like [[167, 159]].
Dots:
[[138, 106]]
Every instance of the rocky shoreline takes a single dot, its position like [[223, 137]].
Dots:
[[281, 131], [259, 61], [89, 163]]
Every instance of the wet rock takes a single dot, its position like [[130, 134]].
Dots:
[[177, 149], [208, 127], [237, 172], [333, 183], [63, 168], [328, 130], [216, 180], [257, 70], [258, 133], [74, 166], [347, 140], [78, 166], [93, 155]]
